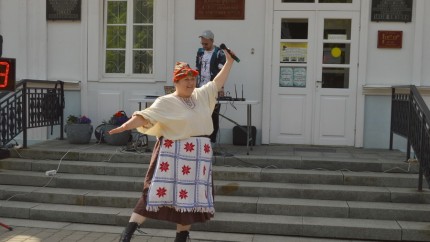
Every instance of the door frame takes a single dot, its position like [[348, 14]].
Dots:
[[351, 93], [364, 12], [298, 131]]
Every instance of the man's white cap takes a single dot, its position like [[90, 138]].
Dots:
[[207, 34]]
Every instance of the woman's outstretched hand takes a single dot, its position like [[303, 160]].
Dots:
[[117, 130], [134, 122]]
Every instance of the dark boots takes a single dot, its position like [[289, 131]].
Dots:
[[182, 236], [428, 180], [128, 232]]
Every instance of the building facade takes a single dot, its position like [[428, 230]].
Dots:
[[320, 70]]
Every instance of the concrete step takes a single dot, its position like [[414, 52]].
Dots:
[[345, 228], [392, 161], [94, 153], [224, 173], [222, 187], [75, 167], [282, 191], [233, 204]]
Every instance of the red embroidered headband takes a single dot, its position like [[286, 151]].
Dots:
[[182, 70]]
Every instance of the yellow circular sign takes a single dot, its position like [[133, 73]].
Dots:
[[336, 52]]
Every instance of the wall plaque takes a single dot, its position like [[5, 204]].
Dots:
[[220, 9], [390, 39], [392, 10], [63, 9]]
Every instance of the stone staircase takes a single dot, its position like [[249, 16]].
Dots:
[[278, 190]]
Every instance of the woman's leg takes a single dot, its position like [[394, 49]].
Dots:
[[134, 222], [137, 218], [182, 232]]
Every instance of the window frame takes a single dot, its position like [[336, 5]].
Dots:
[[129, 45]]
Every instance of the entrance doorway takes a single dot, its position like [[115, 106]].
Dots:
[[314, 77]]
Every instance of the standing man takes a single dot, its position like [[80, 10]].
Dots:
[[209, 61]]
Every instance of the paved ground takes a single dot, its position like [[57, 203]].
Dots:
[[45, 231]]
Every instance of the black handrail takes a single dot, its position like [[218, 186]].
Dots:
[[410, 118], [31, 107]]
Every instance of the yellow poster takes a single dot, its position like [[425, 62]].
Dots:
[[294, 52]]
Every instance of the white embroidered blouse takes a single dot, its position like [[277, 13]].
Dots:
[[172, 118]]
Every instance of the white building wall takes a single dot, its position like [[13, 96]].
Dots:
[[108, 95], [72, 51], [23, 27], [390, 67], [426, 46], [64, 50]]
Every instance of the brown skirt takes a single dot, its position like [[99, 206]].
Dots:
[[165, 213]]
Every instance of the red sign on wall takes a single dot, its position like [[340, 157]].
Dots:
[[390, 39], [220, 9], [7, 74]]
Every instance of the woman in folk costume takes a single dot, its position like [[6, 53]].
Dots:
[[178, 184]]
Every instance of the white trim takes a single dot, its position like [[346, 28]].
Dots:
[[95, 38], [355, 5], [160, 23], [267, 74], [376, 90], [362, 70], [417, 62], [22, 29], [84, 57], [68, 85], [122, 79], [36, 36], [128, 72], [170, 42]]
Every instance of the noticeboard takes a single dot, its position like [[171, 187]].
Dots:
[[392, 10], [220, 9], [63, 9]]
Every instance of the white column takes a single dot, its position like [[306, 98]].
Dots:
[[37, 40], [84, 57], [362, 70], [267, 73], [418, 43]]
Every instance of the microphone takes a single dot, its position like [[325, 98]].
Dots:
[[223, 47], [1, 45]]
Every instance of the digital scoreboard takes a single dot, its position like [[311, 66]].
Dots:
[[7, 74]]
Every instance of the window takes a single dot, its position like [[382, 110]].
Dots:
[[129, 34]]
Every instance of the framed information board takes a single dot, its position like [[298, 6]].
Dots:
[[220, 9], [392, 10], [390, 39], [63, 9]]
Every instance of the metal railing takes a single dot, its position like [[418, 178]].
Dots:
[[31, 107], [410, 118]]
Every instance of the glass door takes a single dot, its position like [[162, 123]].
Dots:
[[336, 82], [314, 77], [293, 77]]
